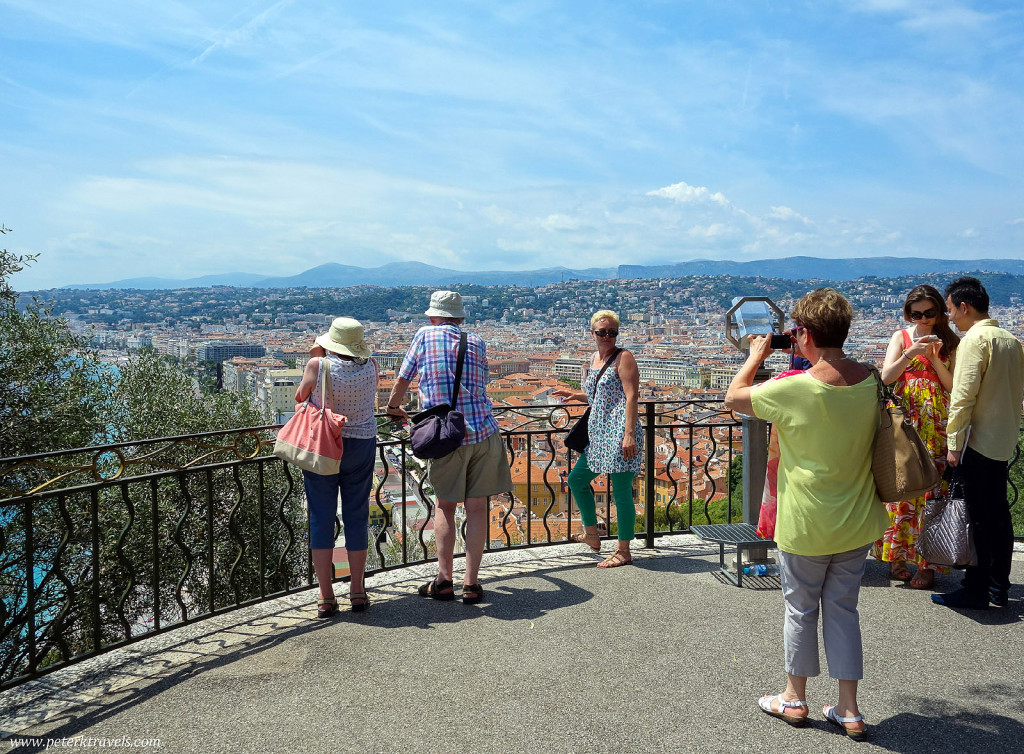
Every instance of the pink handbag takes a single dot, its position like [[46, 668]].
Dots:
[[311, 439]]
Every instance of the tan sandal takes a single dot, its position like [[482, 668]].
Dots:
[[616, 559], [923, 579], [898, 571], [582, 538]]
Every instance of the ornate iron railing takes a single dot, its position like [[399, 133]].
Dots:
[[102, 546]]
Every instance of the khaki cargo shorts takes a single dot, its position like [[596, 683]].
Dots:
[[476, 470]]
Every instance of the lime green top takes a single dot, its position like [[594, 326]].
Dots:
[[827, 498]]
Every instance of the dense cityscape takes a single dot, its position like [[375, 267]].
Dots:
[[535, 336]]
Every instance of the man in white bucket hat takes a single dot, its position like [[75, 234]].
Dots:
[[479, 467]]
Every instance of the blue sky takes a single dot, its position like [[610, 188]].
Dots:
[[178, 139]]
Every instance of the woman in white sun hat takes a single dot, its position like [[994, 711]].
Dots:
[[353, 389]]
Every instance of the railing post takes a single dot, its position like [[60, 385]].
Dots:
[[649, 470], [755, 463]]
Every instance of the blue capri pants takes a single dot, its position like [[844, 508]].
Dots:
[[353, 482]]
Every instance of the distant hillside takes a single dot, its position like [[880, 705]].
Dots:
[[232, 279], [809, 268], [416, 273], [335, 275]]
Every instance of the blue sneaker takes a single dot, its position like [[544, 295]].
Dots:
[[960, 600], [998, 597]]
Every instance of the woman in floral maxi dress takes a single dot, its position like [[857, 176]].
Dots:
[[920, 361]]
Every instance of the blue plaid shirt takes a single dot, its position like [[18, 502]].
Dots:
[[432, 357]]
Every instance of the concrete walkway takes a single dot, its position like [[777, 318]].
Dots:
[[663, 656]]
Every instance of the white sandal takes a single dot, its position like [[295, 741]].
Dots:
[[833, 717], [765, 703]]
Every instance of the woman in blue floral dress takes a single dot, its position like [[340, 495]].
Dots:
[[616, 438]]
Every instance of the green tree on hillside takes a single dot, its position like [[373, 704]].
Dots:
[[53, 387], [56, 394]]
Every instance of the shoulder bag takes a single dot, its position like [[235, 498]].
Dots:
[[901, 464], [440, 429], [311, 439], [578, 438], [946, 537]]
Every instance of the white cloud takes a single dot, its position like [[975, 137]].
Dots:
[[710, 232], [928, 15], [786, 214], [684, 193], [560, 222]]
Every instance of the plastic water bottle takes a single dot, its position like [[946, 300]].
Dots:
[[761, 569]]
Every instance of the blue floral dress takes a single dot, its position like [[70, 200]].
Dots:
[[607, 424]]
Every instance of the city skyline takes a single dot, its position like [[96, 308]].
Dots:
[[186, 139]]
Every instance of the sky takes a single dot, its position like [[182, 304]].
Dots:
[[177, 139]]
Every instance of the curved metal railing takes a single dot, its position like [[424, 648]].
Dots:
[[103, 546]]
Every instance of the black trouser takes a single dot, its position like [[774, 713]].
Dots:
[[985, 493]]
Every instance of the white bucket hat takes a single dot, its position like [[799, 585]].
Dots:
[[446, 304], [345, 337]]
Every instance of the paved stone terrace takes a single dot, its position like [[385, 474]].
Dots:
[[663, 656]]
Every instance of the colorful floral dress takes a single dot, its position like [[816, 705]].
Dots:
[[927, 405], [607, 424]]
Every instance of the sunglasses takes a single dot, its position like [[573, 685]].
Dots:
[[795, 330], [606, 333], [926, 314]]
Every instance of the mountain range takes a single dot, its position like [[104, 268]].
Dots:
[[416, 273]]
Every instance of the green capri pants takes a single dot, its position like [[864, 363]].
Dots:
[[622, 491]]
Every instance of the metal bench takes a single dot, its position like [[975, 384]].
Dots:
[[741, 536]]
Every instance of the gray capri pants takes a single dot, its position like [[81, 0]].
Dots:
[[831, 582]]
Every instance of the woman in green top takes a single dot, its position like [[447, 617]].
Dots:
[[829, 513]]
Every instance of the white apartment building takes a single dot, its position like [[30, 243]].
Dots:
[[569, 369], [276, 392], [668, 372]]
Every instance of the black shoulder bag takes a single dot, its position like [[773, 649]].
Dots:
[[578, 438], [440, 429]]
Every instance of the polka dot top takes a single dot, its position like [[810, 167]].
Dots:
[[353, 392]]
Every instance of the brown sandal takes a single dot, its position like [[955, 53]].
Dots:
[[923, 579], [326, 607], [443, 590], [616, 559], [581, 538], [898, 571], [359, 601]]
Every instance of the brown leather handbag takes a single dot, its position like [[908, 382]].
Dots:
[[901, 464]]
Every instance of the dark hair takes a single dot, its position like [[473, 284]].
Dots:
[[827, 316], [968, 290], [950, 340]]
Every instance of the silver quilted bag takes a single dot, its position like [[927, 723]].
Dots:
[[946, 538]]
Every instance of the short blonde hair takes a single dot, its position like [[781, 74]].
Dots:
[[603, 314]]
